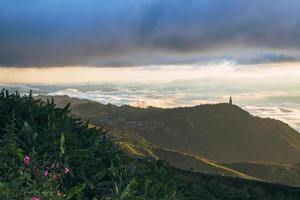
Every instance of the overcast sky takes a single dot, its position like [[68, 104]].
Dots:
[[122, 33]]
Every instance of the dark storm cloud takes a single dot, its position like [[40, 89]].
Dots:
[[145, 32]]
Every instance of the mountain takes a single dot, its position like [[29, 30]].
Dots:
[[220, 139], [46, 153], [274, 172], [182, 160]]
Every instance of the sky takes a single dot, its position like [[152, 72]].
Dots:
[[165, 53], [58, 33]]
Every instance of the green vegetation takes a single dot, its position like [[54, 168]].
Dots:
[[208, 166], [217, 139], [220, 132], [52, 141], [288, 174], [45, 153]]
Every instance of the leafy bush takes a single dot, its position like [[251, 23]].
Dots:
[[44, 152]]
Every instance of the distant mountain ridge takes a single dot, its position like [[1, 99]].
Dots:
[[222, 133]]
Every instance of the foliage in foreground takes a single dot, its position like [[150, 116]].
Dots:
[[47, 154]]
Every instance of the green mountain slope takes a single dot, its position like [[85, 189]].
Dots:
[[182, 160], [288, 174], [220, 133], [82, 163], [274, 172]]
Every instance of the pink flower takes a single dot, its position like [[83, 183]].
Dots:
[[67, 170], [35, 198], [26, 160], [46, 173]]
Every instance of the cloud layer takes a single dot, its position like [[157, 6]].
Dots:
[[147, 32]]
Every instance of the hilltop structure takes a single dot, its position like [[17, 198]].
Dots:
[[230, 100]]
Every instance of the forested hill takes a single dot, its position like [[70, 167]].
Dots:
[[216, 139], [220, 132], [47, 154]]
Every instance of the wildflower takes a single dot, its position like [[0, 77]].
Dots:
[[26, 160], [67, 170], [35, 198], [46, 173]]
